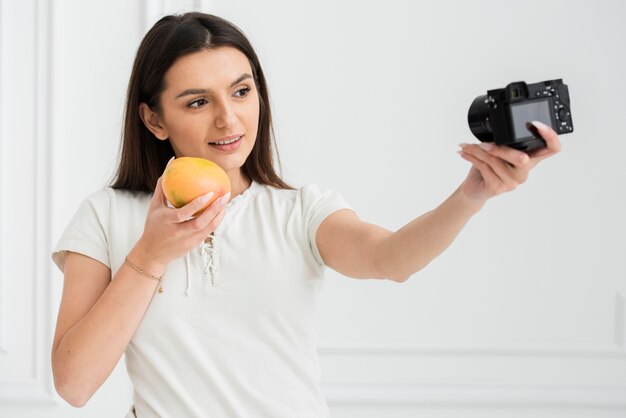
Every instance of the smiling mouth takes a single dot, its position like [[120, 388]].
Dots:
[[230, 140], [228, 145]]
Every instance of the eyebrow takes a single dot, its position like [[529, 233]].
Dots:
[[188, 92]]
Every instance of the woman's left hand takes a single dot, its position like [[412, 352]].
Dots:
[[497, 169]]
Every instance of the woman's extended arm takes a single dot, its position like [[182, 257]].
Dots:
[[361, 250], [416, 244]]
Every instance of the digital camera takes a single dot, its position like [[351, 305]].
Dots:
[[503, 115]]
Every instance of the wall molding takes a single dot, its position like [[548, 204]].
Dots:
[[620, 321], [43, 187], [616, 349], [39, 386], [609, 351], [358, 394], [32, 391], [3, 314], [475, 395]]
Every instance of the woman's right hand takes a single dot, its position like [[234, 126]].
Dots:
[[170, 233]]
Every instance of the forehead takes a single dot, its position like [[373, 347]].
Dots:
[[207, 68]]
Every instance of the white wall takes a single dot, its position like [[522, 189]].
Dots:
[[523, 316]]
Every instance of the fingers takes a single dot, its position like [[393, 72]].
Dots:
[[512, 156], [489, 176], [549, 135], [204, 226], [210, 217], [507, 164], [158, 198], [191, 209], [553, 144]]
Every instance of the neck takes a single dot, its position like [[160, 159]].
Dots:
[[238, 184]]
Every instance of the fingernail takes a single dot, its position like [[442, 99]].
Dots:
[[206, 197], [224, 199], [539, 125], [487, 146], [463, 145]]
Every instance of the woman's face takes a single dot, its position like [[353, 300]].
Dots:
[[210, 96]]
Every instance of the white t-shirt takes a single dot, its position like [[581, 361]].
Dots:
[[233, 333]]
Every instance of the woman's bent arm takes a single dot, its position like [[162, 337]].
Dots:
[[99, 316], [97, 320]]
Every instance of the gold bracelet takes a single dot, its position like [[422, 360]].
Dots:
[[146, 274]]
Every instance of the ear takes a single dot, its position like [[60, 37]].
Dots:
[[152, 122]]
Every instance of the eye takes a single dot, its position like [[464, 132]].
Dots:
[[197, 103], [243, 92]]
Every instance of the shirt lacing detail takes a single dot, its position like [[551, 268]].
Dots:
[[208, 255], [207, 250]]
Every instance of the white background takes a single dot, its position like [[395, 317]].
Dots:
[[523, 316]]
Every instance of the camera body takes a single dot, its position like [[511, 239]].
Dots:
[[503, 115]]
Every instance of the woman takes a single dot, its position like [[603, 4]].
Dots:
[[231, 330]]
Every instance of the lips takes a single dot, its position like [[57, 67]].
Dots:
[[226, 138], [233, 146]]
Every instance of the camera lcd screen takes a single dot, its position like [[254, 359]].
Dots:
[[523, 113]]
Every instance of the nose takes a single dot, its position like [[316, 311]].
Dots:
[[225, 115]]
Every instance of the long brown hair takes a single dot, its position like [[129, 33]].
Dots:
[[143, 157]]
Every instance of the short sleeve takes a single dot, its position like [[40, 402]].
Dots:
[[87, 232], [317, 205]]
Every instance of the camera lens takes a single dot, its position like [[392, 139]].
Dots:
[[478, 119]]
